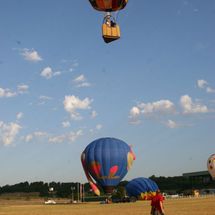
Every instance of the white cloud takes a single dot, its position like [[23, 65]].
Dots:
[[84, 84], [171, 124], [96, 129], [205, 85], [37, 135], [19, 115], [73, 103], [161, 107], [189, 106], [202, 83], [81, 81], [70, 137], [8, 132], [47, 73], [45, 137], [44, 98], [66, 124], [6, 93], [135, 112], [57, 73], [22, 88], [57, 139], [149, 109], [40, 134], [210, 90], [73, 136], [31, 55], [134, 115], [80, 78]]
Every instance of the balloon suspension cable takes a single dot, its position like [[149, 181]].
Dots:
[[107, 17]]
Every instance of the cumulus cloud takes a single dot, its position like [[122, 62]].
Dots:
[[162, 107], [189, 107], [149, 109], [81, 81], [6, 93], [135, 112], [48, 73], [72, 104], [31, 55], [134, 115], [202, 84], [8, 132]]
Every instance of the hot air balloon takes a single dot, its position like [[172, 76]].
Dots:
[[141, 188], [110, 29], [211, 165], [106, 160]]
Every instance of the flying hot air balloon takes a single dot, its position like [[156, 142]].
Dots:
[[106, 161], [110, 29], [141, 188], [211, 166]]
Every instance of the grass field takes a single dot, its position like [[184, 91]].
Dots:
[[188, 206]]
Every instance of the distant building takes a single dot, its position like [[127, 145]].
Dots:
[[199, 177]]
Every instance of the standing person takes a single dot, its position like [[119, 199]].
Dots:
[[157, 207]]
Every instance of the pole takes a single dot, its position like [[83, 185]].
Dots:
[[78, 191]]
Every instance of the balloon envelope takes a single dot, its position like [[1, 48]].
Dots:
[[107, 161], [108, 5], [142, 188], [211, 165]]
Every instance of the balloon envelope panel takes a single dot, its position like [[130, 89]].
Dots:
[[142, 188]]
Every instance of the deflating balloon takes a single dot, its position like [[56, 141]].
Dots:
[[106, 160], [211, 165], [142, 188]]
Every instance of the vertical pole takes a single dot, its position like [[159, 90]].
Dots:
[[83, 193], [78, 191]]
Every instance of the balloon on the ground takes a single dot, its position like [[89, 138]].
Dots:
[[142, 188], [107, 161]]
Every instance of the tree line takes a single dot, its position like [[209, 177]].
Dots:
[[177, 184]]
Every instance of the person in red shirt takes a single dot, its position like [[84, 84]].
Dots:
[[157, 207]]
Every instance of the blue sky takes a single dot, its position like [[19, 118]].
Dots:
[[62, 87]]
